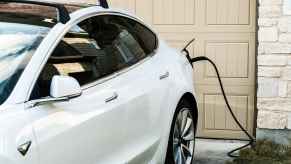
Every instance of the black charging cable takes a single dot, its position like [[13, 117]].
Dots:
[[204, 58]]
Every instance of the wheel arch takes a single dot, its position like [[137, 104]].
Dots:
[[189, 97]]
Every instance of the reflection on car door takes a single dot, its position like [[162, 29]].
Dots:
[[88, 129], [144, 94]]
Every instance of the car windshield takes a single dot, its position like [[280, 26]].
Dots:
[[18, 42]]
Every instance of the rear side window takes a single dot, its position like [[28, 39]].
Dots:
[[96, 48], [129, 34], [147, 38]]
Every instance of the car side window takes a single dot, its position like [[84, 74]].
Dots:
[[95, 48]]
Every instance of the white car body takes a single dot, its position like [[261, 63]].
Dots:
[[132, 129]]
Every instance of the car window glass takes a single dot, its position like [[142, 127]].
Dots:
[[94, 49]]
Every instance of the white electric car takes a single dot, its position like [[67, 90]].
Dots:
[[91, 86]]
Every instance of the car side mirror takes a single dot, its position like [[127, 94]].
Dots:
[[64, 87]]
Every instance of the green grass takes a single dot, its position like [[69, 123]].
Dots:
[[264, 152]]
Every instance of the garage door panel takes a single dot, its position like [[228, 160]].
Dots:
[[234, 55], [217, 115], [228, 12], [172, 12], [232, 59], [167, 13], [214, 115], [227, 16]]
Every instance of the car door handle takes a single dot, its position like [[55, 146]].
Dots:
[[164, 76], [113, 97]]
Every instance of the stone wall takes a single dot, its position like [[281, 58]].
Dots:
[[274, 65]]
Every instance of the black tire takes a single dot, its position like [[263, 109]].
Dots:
[[183, 104]]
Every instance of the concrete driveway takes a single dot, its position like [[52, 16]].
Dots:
[[214, 151]]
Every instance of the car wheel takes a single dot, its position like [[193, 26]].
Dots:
[[182, 137]]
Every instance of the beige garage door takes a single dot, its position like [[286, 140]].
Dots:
[[225, 32]]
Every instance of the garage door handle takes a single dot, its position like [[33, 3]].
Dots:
[[164, 76], [113, 97]]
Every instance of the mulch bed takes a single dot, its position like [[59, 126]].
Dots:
[[264, 152]]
